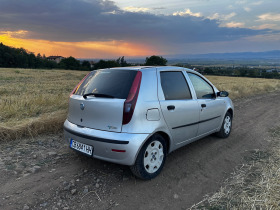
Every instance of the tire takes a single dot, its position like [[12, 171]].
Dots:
[[226, 126], [151, 158]]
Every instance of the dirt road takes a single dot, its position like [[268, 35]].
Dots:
[[43, 173]]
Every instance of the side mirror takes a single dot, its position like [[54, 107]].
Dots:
[[222, 94]]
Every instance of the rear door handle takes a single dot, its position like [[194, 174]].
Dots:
[[171, 107], [203, 105]]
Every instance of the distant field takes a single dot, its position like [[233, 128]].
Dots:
[[240, 87], [35, 101]]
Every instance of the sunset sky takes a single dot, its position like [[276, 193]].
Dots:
[[110, 29]]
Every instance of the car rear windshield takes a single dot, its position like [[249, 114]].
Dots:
[[116, 83]]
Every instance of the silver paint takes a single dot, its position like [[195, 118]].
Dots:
[[102, 118]]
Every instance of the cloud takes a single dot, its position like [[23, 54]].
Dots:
[[229, 16], [15, 34], [247, 9], [257, 3], [158, 8], [241, 2], [234, 25], [218, 16], [103, 21], [187, 12], [267, 26], [269, 17], [215, 16], [223, 18], [136, 9]]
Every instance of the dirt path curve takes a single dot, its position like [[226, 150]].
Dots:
[[43, 173]]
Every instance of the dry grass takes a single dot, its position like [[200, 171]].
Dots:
[[255, 185], [240, 87], [46, 123], [35, 101]]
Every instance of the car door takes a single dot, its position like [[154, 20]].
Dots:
[[180, 110], [211, 109]]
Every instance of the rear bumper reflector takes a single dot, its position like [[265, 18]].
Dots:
[[118, 150]]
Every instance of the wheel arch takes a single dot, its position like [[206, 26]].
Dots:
[[138, 169], [230, 111], [164, 135], [167, 139]]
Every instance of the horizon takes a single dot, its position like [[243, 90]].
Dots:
[[95, 29], [265, 56]]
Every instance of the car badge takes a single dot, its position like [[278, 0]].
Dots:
[[111, 127], [82, 106]]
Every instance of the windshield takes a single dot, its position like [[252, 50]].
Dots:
[[116, 83]]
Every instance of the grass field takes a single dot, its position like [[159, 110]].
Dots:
[[240, 87], [35, 101]]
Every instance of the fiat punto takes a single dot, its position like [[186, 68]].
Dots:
[[135, 116]]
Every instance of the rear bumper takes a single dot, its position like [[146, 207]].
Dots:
[[103, 142]]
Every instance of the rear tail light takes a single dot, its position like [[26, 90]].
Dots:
[[78, 85], [130, 102]]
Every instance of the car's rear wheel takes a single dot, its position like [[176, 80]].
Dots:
[[151, 158], [226, 126]]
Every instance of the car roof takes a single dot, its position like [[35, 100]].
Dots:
[[162, 68]]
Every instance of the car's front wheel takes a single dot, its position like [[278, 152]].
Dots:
[[151, 158], [226, 126]]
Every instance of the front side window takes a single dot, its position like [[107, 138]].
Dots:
[[202, 89], [174, 86]]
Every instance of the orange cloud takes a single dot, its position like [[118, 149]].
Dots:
[[106, 49]]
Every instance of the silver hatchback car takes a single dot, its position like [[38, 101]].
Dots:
[[135, 116]]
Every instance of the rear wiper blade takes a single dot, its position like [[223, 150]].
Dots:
[[97, 95]]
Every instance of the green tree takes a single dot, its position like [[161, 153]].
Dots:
[[21, 58], [253, 73], [102, 64], [70, 63], [243, 72], [32, 61], [208, 70], [236, 72], [86, 65], [155, 61], [122, 62]]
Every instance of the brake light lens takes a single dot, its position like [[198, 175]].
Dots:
[[130, 102], [78, 85]]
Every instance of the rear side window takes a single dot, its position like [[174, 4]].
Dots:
[[116, 83], [174, 86], [202, 89]]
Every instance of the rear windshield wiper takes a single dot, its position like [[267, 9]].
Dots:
[[97, 95]]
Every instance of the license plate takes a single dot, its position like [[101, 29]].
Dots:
[[84, 148]]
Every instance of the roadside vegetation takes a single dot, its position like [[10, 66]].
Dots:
[[33, 101], [254, 185]]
